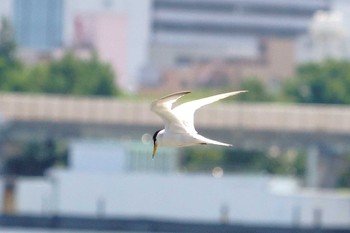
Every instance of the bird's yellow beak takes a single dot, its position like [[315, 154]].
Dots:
[[155, 146]]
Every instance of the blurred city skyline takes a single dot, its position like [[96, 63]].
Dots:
[[140, 41], [70, 157]]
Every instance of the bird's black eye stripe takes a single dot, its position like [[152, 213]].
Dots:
[[155, 135]]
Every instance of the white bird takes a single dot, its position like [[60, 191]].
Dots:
[[179, 127]]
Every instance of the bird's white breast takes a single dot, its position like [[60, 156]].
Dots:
[[176, 139]]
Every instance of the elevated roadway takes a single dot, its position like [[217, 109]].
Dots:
[[322, 131], [248, 125]]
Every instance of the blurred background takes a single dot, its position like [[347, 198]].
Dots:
[[76, 81]]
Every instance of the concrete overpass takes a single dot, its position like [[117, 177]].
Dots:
[[306, 123], [320, 128]]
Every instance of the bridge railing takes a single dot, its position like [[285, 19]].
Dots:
[[287, 117]]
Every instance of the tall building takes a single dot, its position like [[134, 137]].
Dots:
[[105, 33], [129, 20], [38, 24], [206, 42]]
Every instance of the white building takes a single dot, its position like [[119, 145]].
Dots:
[[111, 156], [102, 182], [246, 199], [328, 38]]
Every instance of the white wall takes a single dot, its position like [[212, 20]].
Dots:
[[113, 156], [97, 155], [247, 199], [33, 195]]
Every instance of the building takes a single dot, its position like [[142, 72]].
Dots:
[[6, 9], [328, 38], [170, 44], [237, 199], [38, 24], [116, 29], [204, 43], [45, 29], [111, 156], [107, 178], [106, 34]]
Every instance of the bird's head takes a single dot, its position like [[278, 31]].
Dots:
[[155, 143]]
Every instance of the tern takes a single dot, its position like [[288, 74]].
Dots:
[[179, 128]]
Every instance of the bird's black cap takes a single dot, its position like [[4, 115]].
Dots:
[[155, 136]]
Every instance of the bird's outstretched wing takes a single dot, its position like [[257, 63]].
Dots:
[[163, 107], [185, 111]]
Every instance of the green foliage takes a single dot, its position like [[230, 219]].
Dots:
[[201, 158], [257, 92], [235, 160], [10, 67], [7, 43], [74, 76], [327, 82], [34, 158], [344, 179], [69, 75]]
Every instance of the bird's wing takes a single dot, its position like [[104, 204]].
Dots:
[[185, 111], [163, 107]]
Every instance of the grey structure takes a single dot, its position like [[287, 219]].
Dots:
[[235, 17], [38, 24], [233, 39]]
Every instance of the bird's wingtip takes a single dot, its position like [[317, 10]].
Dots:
[[226, 144], [237, 92], [175, 94]]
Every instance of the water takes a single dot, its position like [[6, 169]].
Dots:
[[26, 230]]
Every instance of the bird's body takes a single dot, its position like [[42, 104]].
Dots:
[[179, 126], [174, 139]]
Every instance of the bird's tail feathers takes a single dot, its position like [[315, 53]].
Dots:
[[210, 141]]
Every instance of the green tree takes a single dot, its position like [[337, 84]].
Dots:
[[344, 179], [201, 158], [10, 66], [35, 157], [71, 75], [327, 82], [7, 42], [239, 160], [257, 91]]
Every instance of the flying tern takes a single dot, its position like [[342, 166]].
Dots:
[[179, 128]]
